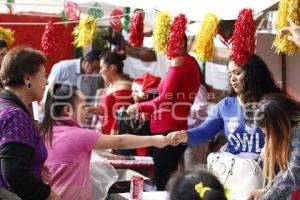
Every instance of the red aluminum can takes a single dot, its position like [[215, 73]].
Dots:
[[136, 188]]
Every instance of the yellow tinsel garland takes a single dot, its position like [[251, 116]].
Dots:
[[288, 9], [161, 31], [7, 35], [85, 32], [204, 45]]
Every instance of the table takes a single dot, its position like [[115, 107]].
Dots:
[[157, 195]]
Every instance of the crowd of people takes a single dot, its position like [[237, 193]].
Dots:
[[51, 160]]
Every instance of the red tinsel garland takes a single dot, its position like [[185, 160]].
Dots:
[[49, 40], [177, 32], [243, 40], [136, 37]]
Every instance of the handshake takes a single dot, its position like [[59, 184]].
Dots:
[[173, 138]]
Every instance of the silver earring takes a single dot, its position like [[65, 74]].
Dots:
[[28, 85]]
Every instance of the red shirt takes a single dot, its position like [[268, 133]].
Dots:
[[169, 111], [111, 103]]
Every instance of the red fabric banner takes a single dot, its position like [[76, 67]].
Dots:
[[30, 35]]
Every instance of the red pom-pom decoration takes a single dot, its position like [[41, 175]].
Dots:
[[243, 40], [49, 40], [177, 33], [115, 20], [136, 37]]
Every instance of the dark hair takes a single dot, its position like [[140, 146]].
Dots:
[[279, 115], [258, 80], [114, 59], [59, 95], [3, 44], [18, 62], [185, 40], [93, 55], [182, 186]]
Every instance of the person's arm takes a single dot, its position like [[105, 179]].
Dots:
[[16, 165], [294, 30], [142, 53], [201, 134], [285, 181], [127, 141], [95, 110], [169, 90]]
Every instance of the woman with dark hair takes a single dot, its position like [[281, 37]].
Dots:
[[116, 94], [279, 118], [248, 84], [22, 149], [195, 185], [69, 146]]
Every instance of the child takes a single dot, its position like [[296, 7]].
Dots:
[[69, 146], [144, 88], [195, 185]]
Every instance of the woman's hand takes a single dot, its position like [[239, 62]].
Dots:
[[131, 109], [160, 141], [256, 195], [94, 110], [177, 137], [294, 30], [53, 196], [46, 175]]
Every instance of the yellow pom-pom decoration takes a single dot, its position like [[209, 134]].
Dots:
[[7, 35], [161, 32], [85, 32], [204, 45], [288, 9]]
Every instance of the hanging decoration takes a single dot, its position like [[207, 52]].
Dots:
[[96, 11], [225, 31], [72, 10], [288, 9], [85, 32], [136, 37], [177, 33], [49, 40], [126, 19], [161, 31], [7, 35], [115, 20], [204, 45], [10, 6], [243, 40]]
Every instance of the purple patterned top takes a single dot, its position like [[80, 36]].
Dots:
[[17, 126]]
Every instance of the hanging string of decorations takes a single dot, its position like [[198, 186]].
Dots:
[[168, 35]]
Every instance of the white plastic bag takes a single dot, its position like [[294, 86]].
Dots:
[[103, 176]]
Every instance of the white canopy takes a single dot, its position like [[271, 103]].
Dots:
[[194, 10]]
